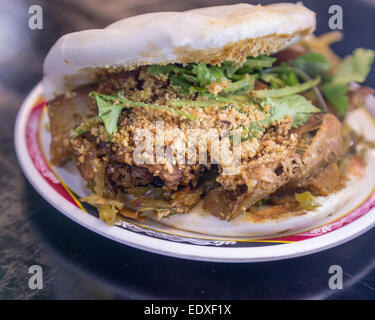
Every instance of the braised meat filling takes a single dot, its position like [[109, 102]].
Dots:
[[289, 143]]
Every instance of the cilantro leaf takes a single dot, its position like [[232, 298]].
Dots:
[[229, 68], [179, 82], [196, 77], [205, 75], [163, 69], [336, 95], [355, 67], [312, 63], [110, 107], [110, 119], [109, 113], [295, 106]]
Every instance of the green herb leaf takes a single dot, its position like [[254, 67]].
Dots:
[[193, 103], [110, 107], [109, 113], [286, 91], [336, 95], [230, 68], [272, 79], [84, 127], [245, 84], [205, 75], [355, 67], [195, 77], [259, 62], [110, 119], [180, 82], [166, 69], [295, 106], [312, 63]]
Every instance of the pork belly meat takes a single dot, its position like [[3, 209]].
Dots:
[[319, 145]]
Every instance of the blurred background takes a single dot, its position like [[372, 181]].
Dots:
[[80, 264]]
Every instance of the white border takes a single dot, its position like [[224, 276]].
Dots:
[[174, 249]]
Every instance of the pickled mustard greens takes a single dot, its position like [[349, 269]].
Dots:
[[307, 201]]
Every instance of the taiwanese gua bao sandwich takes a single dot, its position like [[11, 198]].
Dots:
[[256, 70]]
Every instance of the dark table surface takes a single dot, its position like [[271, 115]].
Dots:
[[79, 264]]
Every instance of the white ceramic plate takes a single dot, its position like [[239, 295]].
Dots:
[[61, 187]]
